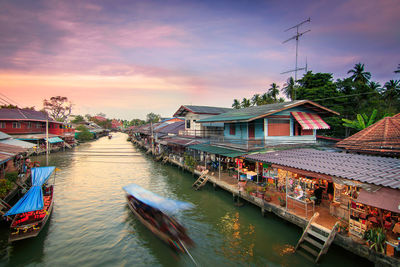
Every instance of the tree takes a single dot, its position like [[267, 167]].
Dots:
[[361, 122], [101, 114], [236, 104], [256, 100], [398, 69], [391, 93], [152, 117], [289, 88], [83, 135], [58, 107], [78, 119], [359, 75], [274, 91], [245, 103]]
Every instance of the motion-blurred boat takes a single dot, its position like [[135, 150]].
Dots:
[[151, 210]]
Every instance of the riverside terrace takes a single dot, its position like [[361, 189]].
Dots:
[[269, 199]]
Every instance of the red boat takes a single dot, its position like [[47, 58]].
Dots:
[[146, 206], [29, 224]]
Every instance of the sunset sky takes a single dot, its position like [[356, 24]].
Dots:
[[129, 58]]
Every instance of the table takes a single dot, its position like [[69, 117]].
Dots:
[[301, 203]]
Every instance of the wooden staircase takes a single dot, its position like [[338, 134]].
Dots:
[[201, 181], [165, 160], [315, 240]]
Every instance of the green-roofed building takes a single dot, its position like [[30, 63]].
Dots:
[[294, 122]]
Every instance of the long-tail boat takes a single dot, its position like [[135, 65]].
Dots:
[[33, 210], [151, 210]]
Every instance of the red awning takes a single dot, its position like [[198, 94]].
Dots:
[[310, 121], [385, 198]]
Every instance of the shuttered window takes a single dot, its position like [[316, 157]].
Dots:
[[232, 129], [278, 127]]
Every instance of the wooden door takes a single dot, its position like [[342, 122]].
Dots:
[[251, 130]]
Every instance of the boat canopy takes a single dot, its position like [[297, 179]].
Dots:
[[156, 201], [33, 199]]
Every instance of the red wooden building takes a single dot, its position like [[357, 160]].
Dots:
[[27, 124]]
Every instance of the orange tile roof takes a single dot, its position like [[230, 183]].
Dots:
[[382, 137], [397, 116]]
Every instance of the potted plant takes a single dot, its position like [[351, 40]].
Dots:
[[267, 197], [250, 190], [282, 202], [376, 239]]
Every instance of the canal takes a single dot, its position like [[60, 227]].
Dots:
[[91, 224]]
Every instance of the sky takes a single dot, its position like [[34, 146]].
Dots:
[[129, 58]]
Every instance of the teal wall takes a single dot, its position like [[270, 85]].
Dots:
[[241, 129]]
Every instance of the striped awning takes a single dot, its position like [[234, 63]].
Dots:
[[310, 121]]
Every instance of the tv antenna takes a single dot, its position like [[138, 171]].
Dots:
[[296, 37]]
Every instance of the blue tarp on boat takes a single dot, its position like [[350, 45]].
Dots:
[[156, 201], [33, 199]]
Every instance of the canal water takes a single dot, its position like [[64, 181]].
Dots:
[[91, 224]]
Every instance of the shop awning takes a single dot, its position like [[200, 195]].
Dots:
[[218, 150], [385, 198], [310, 121], [55, 140]]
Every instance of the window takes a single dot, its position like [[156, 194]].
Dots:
[[29, 125], [16, 125], [188, 124], [232, 129], [38, 125], [278, 127], [2, 125]]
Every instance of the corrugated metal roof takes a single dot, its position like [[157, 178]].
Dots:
[[23, 114], [172, 128], [200, 110], [368, 169], [218, 150], [15, 142], [247, 114]]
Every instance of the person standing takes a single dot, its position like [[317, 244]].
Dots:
[[330, 190]]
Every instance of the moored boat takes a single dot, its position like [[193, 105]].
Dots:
[[33, 210], [152, 209]]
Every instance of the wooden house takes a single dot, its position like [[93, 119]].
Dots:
[[268, 125], [192, 114]]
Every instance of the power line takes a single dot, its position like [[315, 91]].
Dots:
[[10, 99]]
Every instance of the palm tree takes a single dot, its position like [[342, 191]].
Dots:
[[289, 88], [398, 69], [236, 104], [392, 92], [245, 103], [256, 100], [374, 86], [359, 75], [273, 91], [266, 99]]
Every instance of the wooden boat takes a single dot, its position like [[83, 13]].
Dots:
[[29, 224], [162, 225], [33, 210]]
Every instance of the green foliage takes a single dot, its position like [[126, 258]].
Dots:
[[11, 176], [5, 187], [362, 121], [78, 119], [152, 117], [190, 161], [83, 135], [236, 104], [376, 237]]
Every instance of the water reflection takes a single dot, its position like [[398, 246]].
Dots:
[[238, 245]]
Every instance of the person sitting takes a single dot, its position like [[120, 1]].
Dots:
[[317, 194]]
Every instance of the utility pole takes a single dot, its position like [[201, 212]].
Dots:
[[296, 37]]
